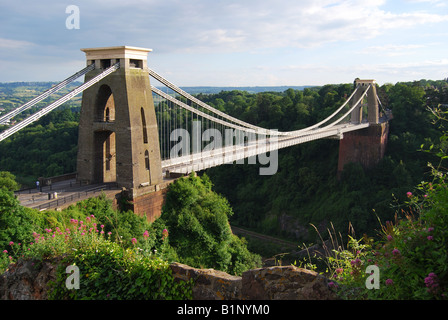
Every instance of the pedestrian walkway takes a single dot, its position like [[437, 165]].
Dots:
[[62, 194]]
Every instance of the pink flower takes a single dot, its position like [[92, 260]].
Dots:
[[396, 252], [5, 251], [389, 282], [102, 226], [11, 243], [430, 238], [432, 283], [134, 241], [339, 270], [146, 234], [355, 262], [389, 237], [409, 194]]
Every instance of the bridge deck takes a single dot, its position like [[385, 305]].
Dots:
[[62, 194]]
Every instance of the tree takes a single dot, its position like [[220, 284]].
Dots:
[[17, 223], [199, 230], [8, 181]]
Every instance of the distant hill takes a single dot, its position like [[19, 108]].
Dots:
[[257, 89], [14, 94]]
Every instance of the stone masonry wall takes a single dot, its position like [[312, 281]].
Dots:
[[27, 280]]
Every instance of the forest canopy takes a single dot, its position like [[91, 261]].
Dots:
[[306, 188]]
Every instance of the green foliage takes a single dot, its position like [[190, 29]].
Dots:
[[122, 269], [16, 222], [45, 149], [412, 253], [305, 186], [197, 219], [8, 181]]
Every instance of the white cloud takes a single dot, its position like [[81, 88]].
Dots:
[[437, 3], [274, 24], [203, 37], [14, 44], [392, 50]]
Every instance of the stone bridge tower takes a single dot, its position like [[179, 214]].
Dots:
[[118, 136], [366, 146]]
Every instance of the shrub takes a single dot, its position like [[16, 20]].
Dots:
[[198, 219], [411, 254], [108, 270]]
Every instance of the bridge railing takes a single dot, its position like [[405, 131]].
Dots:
[[76, 196]]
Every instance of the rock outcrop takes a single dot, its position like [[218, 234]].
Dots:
[[28, 280], [209, 284], [272, 283]]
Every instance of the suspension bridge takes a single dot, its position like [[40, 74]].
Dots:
[[137, 134]]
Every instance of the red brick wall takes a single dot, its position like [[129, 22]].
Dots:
[[366, 146], [150, 204]]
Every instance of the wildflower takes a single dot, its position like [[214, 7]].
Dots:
[[396, 252], [409, 194], [134, 241], [146, 234], [331, 284], [5, 251], [164, 233], [432, 283], [11, 243], [430, 238], [355, 262], [389, 282], [339, 270], [389, 237], [102, 226], [430, 229]]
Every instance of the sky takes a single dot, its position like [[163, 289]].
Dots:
[[233, 42]]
